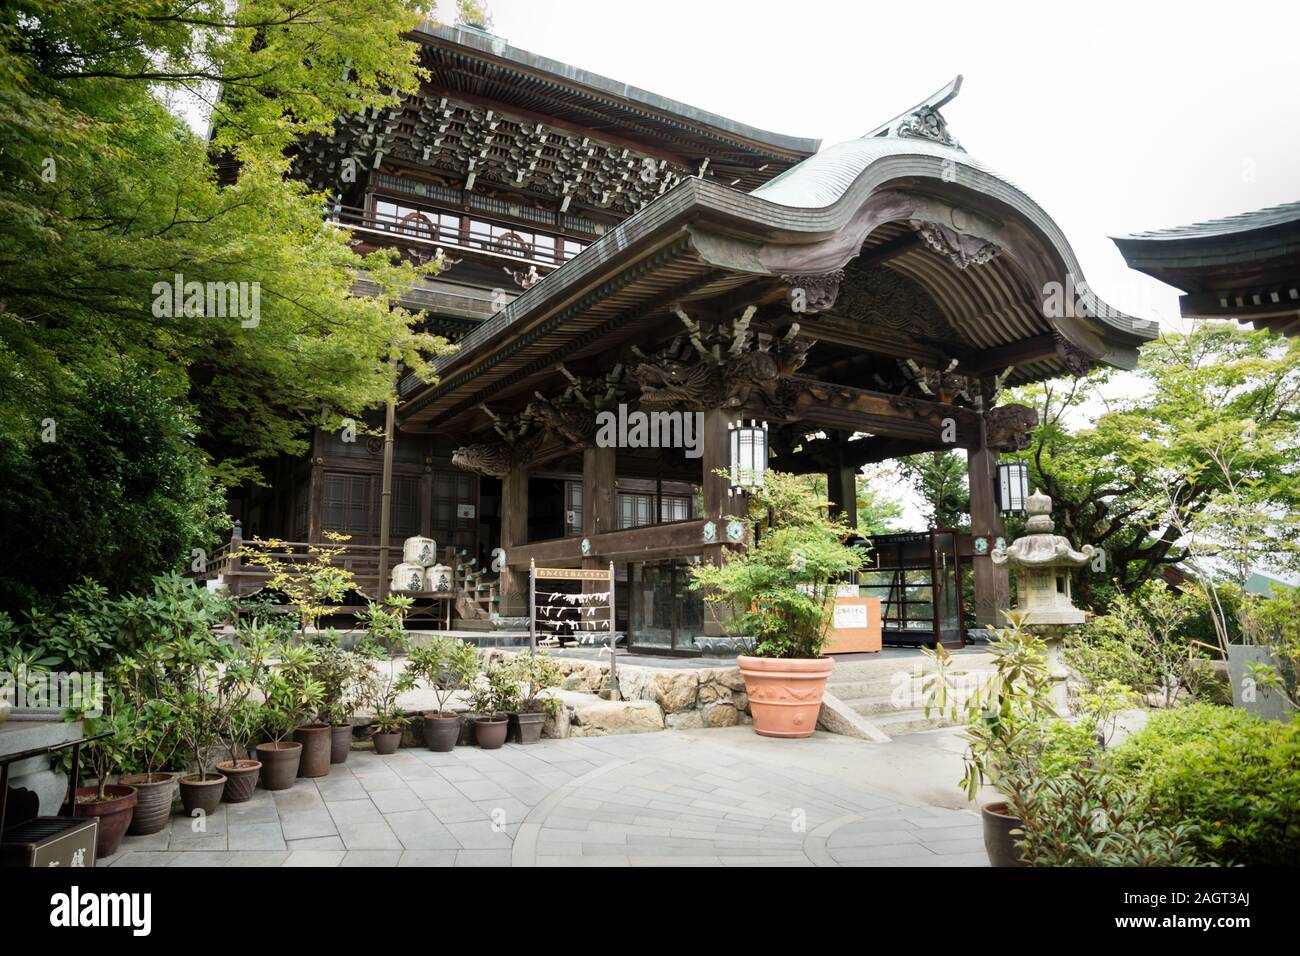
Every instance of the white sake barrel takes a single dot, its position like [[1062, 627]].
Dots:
[[421, 551], [406, 577], [439, 577]]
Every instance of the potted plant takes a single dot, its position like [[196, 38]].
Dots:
[[331, 732], [155, 741], [194, 700], [446, 666], [241, 716], [494, 693], [533, 673], [780, 591], [1004, 717], [113, 804], [291, 696], [379, 686]]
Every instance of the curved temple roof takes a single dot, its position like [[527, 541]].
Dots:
[[985, 252]]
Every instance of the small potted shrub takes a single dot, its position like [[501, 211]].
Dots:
[[291, 696], [379, 688], [155, 740], [241, 715], [495, 693], [194, 697], [780, 591], [113, 804], [533, 673], [1003, 730], [446, 666], [331, 732]]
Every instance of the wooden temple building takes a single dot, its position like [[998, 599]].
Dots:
[[611, 248]]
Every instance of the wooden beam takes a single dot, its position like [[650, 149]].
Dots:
[[858, 410], [648, 543]]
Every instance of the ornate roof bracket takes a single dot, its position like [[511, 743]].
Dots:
[[959, 248], [1075, 360], [1007, 427]]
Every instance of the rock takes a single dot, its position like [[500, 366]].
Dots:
[[731, 678], [712, 692], [671, 690], [599, 718], [720, 715], [685, 720], [741, 700]]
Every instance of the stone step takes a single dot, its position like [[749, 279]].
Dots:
[[885, 667], [910, 722], [872, 706], [853, 689]]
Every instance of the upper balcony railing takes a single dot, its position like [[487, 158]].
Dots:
[[494, 238]]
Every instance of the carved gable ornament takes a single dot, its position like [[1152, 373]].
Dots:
[[960, 249]]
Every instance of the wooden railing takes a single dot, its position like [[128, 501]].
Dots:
[[426, 229]]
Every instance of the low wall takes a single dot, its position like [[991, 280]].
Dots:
[[654, 698]]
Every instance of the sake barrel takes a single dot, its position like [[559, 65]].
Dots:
[[421, 551], [407, 577], [439, 578]]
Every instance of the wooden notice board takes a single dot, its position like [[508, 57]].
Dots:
[[855, 628]]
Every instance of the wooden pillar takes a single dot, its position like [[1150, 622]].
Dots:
[[842, 487], [992, 584], [599, 501], [514, 531], [716, 454]]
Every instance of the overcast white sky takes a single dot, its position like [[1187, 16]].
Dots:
[[1115, 117]]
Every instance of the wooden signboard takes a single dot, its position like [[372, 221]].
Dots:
[[855, 628]]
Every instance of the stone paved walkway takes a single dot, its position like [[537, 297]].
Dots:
[[714, 797]]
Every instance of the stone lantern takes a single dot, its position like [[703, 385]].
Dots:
[[1042, 562]]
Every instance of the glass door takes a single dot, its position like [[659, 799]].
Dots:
[[947, 587], [666, 616]]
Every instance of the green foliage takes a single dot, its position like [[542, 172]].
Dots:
[[313, 582], [105, 194], [781, 589], [291, 693], [1145, 642], [534, 673], [444, 664], [1236, 777], [496, 691], [1082, 817], [1205, 445], [939, 478], [378, 685], [1274, 623], [1004, 713], [119, 493]]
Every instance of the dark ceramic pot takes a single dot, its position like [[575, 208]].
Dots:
[[999, 843], [241, 779], [490, 732], [386, 743], [114, 815], [340, 743], [202, 791], [466, 738], [441, 731], [153, 805], [315, 740], [279, 764], [526, 728]]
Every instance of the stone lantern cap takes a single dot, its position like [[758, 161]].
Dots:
[[1041, 548]]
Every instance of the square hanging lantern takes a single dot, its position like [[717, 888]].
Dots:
[[1012, 487], [748, 455]]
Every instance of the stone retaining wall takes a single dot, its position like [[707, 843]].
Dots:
[[654, 698]]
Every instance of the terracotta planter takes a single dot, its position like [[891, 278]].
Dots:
[[114, 815], [340, 743], [466, 738], [785, 694], [153, 805], [202, 792], [526, 728], [279, 764], [999, 844], [241, 779], [441, 731], [315, 740], [386, 744], [490, 732]]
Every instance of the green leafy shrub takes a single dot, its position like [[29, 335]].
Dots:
[[781, 589], [1236, 777]]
